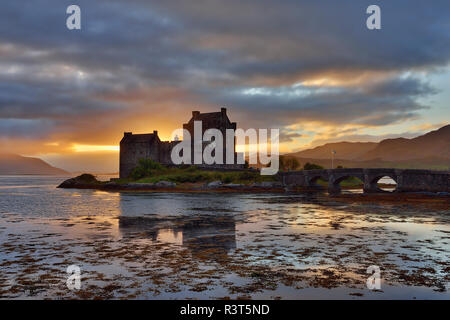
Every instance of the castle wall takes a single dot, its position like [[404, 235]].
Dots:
[[165, 151], [132, 152]]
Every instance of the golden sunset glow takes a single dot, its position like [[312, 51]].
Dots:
[[94, 148]]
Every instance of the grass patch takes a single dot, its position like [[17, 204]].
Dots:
[[347, 183], [149, 171], [180, 175]]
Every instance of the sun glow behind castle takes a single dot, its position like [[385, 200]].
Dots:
[[251, 144], [241, 148], [93, 148]]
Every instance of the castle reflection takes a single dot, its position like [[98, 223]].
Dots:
[[200, 233]]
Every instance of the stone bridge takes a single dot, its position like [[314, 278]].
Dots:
[[408, 180]]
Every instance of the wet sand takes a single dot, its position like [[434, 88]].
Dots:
[[282, 246], [420, 200]]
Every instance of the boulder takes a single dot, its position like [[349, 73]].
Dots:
[[138, 186], [214, 184], [165, 184], [267, 184], [233, 185], [83, 181]]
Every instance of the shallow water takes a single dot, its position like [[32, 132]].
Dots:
[[214, 245]]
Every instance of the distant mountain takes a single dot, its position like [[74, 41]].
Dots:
[[431, 150], [434, 144], [426, 163], [16, 164], [344, 150]]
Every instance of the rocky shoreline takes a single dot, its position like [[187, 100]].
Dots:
[[433, 200], [162, 186]]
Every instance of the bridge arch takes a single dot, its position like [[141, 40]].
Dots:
[[335, 184], [312, 177], [374, 181], [342, 178], [312, 180]]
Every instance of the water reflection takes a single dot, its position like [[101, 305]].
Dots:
[[198, 233], [206, 228]]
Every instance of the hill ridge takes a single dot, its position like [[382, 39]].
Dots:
[[13, 164]]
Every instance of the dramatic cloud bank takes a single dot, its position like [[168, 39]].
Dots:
[[144, 65]]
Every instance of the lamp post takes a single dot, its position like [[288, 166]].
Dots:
[[333, 152]]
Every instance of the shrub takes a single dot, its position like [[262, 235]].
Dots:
[[246, 175], [311, 166], [216, 176], [144, 168], [149, 164], [190, 168], [227, 179]]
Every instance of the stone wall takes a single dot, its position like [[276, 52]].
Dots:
[[132, 151], [423, 180], [165, 151]]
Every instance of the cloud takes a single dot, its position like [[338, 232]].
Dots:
[[142, 65], [289, 136], [25, 128], [374, 104]]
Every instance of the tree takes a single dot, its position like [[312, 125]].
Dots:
[[293, 164], [288, 163], [311, 166]]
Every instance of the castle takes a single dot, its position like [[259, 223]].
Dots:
[[134, 147]]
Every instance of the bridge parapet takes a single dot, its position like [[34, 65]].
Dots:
[[408, 180], [423, 180]]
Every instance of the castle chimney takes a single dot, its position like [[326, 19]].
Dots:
[[126, 134], [155, 132], [195, 114], [224, 111]]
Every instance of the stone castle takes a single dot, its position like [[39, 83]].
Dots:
[[134, 147]]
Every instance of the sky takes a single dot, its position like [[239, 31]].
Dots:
[[310, 68]]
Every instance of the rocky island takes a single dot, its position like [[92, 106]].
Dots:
[[153, 176]]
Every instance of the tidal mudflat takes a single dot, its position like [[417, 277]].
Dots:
[[135, 245]]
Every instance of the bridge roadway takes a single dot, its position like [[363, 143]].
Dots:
[[408, 180]]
